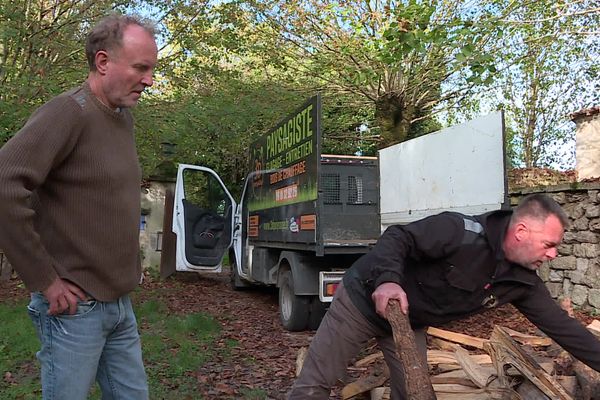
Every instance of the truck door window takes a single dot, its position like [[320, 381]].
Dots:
[[204, 191]]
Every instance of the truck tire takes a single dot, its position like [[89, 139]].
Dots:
[[293, 309]]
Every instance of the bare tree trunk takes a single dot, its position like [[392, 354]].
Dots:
[[393, 118]]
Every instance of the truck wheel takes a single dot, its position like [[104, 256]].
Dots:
[[293, 310]]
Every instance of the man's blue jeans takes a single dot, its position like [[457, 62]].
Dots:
[[99, 342]]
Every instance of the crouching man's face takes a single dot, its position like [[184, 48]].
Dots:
[[535, 242]]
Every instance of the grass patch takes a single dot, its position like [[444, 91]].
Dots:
[[253, 394], [19, 373], [174, 347]]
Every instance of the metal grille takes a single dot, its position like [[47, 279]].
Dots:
[[355, 190], [330, 184]]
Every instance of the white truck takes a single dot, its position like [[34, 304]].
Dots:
[[305, 217]]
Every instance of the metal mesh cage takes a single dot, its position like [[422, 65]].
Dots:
[[330, 184], [355, 190]]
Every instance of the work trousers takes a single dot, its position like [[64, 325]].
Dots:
[[342, 334]]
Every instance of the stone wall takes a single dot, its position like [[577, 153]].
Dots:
[[576, 272]]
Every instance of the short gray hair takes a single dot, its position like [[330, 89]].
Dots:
[[539, 207], [108, 34]]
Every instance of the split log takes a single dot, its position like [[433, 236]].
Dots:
[[443, 344], [377, 378], [476, 374], [504, 350], [531, 340], [456, 393], [416, 374], [457, 337], [589, 380], [371, 358], [594, 327], [529, 391], [300, 359], [381, 393], [467, 393], [459, 375], [569, 383], [449, 357], [464, 381]]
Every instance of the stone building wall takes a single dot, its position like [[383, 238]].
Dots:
[[587, 143], [151, 223], [576, 272]]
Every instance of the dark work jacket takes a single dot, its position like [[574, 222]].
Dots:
[[452, 266]]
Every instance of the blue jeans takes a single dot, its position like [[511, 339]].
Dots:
[[99, 342]]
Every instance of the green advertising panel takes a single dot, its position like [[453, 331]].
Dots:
[[284, 184]]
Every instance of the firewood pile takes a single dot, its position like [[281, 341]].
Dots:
[[507, 365]]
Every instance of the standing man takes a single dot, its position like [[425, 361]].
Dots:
[[443, 268], [69, 218]]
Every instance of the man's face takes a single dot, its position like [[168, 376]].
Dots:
[[537, 243], [129, 68]]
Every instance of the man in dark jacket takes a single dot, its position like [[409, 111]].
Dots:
[[443, 268]]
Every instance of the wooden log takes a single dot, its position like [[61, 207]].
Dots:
[[381, 393], [476, 374], [377, 378], [300, 359], [589, 380], [594, 327], [457, 337], [459, 376], [443, 344], [370, 359], [529, 391], [569, 383], [504, 350], [531, 340], [456, 392], [6, 270], [416, 374], [449, 357], [464, 381]]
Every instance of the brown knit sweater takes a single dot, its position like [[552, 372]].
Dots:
[[70, 197]]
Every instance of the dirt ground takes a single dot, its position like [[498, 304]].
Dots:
[[265, 354]]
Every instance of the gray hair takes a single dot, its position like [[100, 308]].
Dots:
[[108, 34], [539, 207]]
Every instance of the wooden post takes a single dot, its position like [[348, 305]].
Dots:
[[5, 268], [416, 374], [168, 249]]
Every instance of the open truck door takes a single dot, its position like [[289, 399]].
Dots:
[[203, 219]]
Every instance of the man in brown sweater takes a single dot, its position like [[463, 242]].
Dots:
[[69, 218]]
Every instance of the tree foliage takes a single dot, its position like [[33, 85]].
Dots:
[[551, 70], [403, 58], [42, 52], [229, 71]]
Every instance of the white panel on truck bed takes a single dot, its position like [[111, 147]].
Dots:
[[460, 168]]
